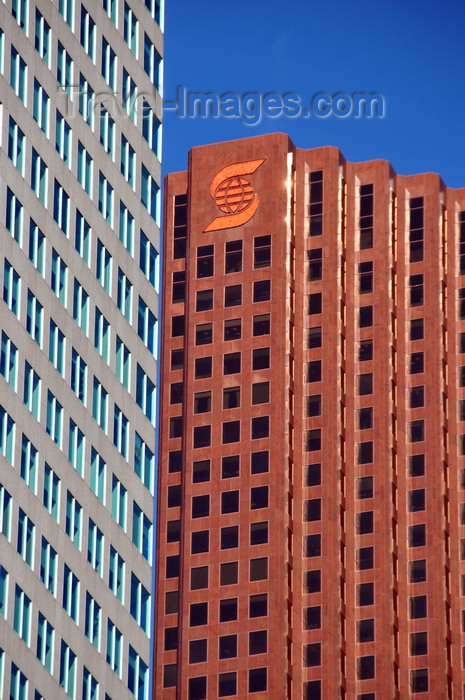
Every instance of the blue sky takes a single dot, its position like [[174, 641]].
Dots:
[[411, 52]]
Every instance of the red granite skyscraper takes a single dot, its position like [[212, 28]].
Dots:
[[311, 511]]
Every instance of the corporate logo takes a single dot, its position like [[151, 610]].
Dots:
[[234, 195]]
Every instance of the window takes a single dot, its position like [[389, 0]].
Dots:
[[84, 169], [28, 463], [230, 502], [107, 132], [419, 679], [416, 290], [365, 557], [417, 396], [233, 295], [200, 542], [126, 228], [313, 443], [39, 177], [205, 261], [63, 138], [365, 667], [143, 462], [16, 148], [312, 545], [5, 515], [51, 495], [203, 333], [227, 683], [228, 610], [64, 69], [118, 502], [145, 394], [22, 615], [202, 399], [365, 275], [259, 462], [110, 7], [89, 686], [200, 506], [258, 605], [18, 75], [418, 606], [40, 108], [148, 260], [152, 62], [138, 675], [146, 326], [116, 574], [262, 251], [316, 203], [105, 199], [366, 216], [48, 566], [99, 404], [233, 257], [67, 659], [103, 266], [45, 641], [365, 452], [36, 251], [129, 94], [61, 207], [260, 393], [56, 349], [417, 570], [151, 132], [231, 432], [315, 269], [417, 430], [130, 28], [7, 435], [120, 431], [95, 547], [3, 593], [365, 418], [128, 158], [140, 603], [11, 288], [230, 467], [92, 621], [259, 533], [102, 335], [312, 509], [19, 10], [108, 65], [124, 295], [416, 229], [25, 543], [114, 647], [261, 325], [416, 329], [34, 314], [8, 360], [417, 535], [199, 578], [260, 427], [142, 532], [149, 193], [85, 102], [54, 419], [18, 683], [58, 277], [313, 475], [87, 33], [78, 376], [42, 38], [97, 475], [73, 519], [418, 643], [258, 569], [232, 363], [229, 537]]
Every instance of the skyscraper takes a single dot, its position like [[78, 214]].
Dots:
[[80, 93], [311, 502]]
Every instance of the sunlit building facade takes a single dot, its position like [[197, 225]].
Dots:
[[311, 505]]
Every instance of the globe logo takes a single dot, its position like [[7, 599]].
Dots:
[[234, 195]]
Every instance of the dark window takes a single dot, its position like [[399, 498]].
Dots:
[[365, 487], [259, 533], [417, 570], [417, 465], [366, 630], [199, 578], [258, 642], [228, 609], [258, 605], [176, 391], [202, 435], [312, 617], [416, 290], [312, 690], [231, 432], [462, 409], [365, 418], [232, 329], [416, 229], [230, 502], [200, 506], [258, 569], [232, 397], [172, 566], [316, 203], [365, 558], [180, 226], [313, 440], [257, 680], [312, 509], [205, 261], [365, 452], [173, 531], [262, 251], [197, 651], [366, 217], [171, 602], [201, 471], [365, 594], [233, 295], [204, 300], [365, 384], [169, 675], [230, 467], [176, 427], [261, 358], [416, 329], [258, 497], [418, 643], [416, 499], [177, 326], [417, 606], [417, 430], [203, 367], [198, 688], [177, 359], [229, 537], [261, 324], [365, 277], [260, 392], [312, 581], [313, 545], [416, 363], [365, 316], [179, 286], [312, 654], [315, 264], [365, 350], [174, 496], [365, 522], [227, 647], [259, 462], [232, 363], [228, 573], [260, 427], [314, 371], [315, 303], [419, 680], [261, 290], [204, 333], [202, 402], [313, 475], [314, 405], [233, 257], [417, 535], [198, 614], [417, 396], [314, 337], [365, 667]]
